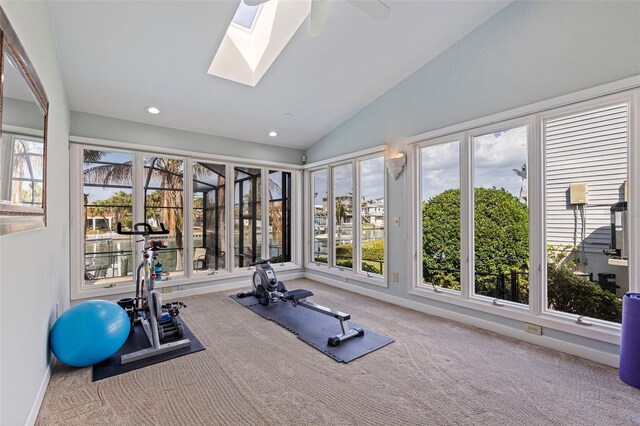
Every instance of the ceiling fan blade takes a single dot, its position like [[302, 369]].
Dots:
[[374, 8], [317, 17], [254, 2]]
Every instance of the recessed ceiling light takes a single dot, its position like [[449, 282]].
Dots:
[[152, 110], [273, 134]]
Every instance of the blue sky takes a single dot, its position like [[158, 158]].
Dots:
[[371, 180], [495, 156], [98, 193]]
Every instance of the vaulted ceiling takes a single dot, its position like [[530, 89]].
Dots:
[[119, 57]]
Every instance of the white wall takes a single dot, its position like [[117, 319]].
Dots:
[[528, 52], [34, 265], [113, 129]]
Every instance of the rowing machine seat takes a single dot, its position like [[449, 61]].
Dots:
[[296, 295]]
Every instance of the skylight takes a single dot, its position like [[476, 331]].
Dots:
[[245, 16], [255, 37]]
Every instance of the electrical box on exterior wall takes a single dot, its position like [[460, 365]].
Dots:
[[578, 193]]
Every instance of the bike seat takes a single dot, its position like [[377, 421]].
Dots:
[[295, 295]]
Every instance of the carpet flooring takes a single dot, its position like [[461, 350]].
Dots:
[[254, 372]]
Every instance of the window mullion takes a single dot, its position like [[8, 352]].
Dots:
[[304, 254], [187, 214], [537, 250], [466, 217], [632, 191], [264, 204], [77, 218], [138, 201], [331, 236], [357, 219], [295, 223], [230, 186]]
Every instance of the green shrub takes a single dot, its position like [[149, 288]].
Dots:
[[372, 252], [568, 292], [501, 237], [344, 251]]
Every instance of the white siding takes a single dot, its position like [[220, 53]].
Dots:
[[588, 147]]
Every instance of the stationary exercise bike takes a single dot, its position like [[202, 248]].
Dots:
[[267, 289], [158, 321]]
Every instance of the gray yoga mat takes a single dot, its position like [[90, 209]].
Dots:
[[315, 329], [138, 340]]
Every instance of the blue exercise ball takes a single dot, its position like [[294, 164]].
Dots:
[[89, 333]]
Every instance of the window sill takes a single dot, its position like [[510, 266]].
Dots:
[[197, 278], [348, 274], [557, 321]]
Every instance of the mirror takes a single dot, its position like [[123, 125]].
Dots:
[[22, 139]]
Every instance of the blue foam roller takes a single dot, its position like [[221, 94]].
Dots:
[[89, 333], [630, 340]]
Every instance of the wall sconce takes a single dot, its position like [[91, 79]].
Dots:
[[396, 164]]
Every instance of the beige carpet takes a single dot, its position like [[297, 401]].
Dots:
[[255, 372]]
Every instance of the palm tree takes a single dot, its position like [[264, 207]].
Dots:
[[168, 171], [522, 174], [341, 212]]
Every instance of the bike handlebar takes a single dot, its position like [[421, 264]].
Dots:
[[148, 230]]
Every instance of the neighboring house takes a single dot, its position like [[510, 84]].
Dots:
[[104, 223], [373, 213], [589, 148]]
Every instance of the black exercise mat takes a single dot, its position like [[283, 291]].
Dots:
[[136, 341], [315, 329]]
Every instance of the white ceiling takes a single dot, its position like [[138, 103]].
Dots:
[[118, 57]]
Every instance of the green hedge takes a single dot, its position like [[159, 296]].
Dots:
[[372, 251], [501, 237], [568, 292]]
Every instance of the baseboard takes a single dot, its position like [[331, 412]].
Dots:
[[35, 408], [601, 357], [233, 285]]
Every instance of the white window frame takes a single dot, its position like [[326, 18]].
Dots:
[[415, 156], [310, 213], [631, 99], [355, 273], [358, 227], [78, 288], [468, 196], [536, 312], [332, 215], [189, 218]]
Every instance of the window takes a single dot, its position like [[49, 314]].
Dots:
[[529, 218], [501, 215], [279, 191], [26, 171], [343, 215], [347, 201], [587, 227], [107, 201], [247, 216], [440, 213], [372, 217], [245, 16], [215, 228], [163, 204], [320, 215], [209, 218]]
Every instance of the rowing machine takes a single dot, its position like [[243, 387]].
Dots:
[[267, 289]]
